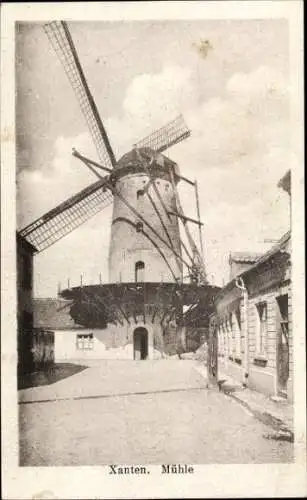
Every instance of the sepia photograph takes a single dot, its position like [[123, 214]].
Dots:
[[154, 209]]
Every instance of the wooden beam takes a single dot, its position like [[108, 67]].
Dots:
[[186, 218], [160, 217], [184, 179], [134, 315], [190, 308], [91, 162], [111, 309], [121, 309], [172, 314], [144, 314], [198, 216], [186, 250], [90, 99], [164, 316], [200, 263]]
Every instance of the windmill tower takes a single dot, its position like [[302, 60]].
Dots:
[[147, 255], [145, 245]]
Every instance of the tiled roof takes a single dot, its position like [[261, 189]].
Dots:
[[280, 246], [249, 257], [52, 314]]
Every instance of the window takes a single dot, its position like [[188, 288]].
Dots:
[[139, 194], [283, 350], [139, 271], [229, 336], [139, 227], [261, 333], [85, 342], [224, 339], [237, 328], [282, 301], [221, 341], [233, 332]]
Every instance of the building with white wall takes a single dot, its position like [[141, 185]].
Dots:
[[75, 342], [253, 323]]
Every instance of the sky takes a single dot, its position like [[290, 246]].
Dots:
[[233, 92]]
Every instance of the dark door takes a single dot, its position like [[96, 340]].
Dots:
[[282, 345], [212, 352], [140, 343]]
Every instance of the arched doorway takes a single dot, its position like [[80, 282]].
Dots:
[[140, 343]]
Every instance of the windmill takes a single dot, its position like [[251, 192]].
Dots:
[[147, 254]]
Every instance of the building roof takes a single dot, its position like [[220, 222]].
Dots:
[[53, 314], [135, 160], [134, 157], [249, 257], [279, 247]]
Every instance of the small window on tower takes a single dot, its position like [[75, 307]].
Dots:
[[139, 227], [139, 271], [139, 194]]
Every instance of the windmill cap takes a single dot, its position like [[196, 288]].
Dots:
[[134, 161]]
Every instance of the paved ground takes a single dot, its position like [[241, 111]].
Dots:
[[277, 410], [150, 412]]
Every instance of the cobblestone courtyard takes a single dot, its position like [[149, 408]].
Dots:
[[127, 412]]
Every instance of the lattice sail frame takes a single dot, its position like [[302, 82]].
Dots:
[[73, 212], [61, 41], [67, 216], [173, 132]]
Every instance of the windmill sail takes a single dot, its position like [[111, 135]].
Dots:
[[73, 212], [60, 39], [67, 216], [167, 136]]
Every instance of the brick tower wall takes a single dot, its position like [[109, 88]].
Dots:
[[129, 247]]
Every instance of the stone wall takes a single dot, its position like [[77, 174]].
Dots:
[[129, 246]]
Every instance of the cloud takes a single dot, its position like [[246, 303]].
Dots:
[[238, 151], [262, 82], [159, 95], [151, 100], [249, 119], [41, 190]]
